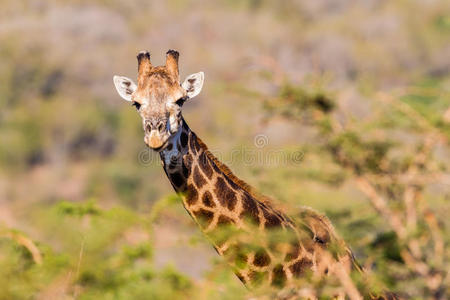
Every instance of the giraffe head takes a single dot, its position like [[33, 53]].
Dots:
[[159, 96]]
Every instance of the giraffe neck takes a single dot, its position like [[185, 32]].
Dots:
[[211, 193], [215, 198], [177, 159]]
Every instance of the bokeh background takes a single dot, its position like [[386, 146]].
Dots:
[[361, 89]]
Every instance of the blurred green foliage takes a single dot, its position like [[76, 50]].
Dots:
[[393, 173]]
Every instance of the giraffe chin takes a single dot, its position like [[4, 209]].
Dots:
[[158, 148]]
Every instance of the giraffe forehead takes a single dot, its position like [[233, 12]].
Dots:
[[158, 87]]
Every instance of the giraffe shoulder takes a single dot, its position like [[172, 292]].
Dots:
[[322, 231], [317, 224]]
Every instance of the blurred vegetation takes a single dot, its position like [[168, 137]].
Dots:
[[359, 88], [393, 175]]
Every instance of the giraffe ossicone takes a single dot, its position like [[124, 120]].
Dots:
[[261, 243]]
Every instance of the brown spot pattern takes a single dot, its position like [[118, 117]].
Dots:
[[299, 268], [192, 142], [208, 200], [191, 195], [204, 217], [198, 178], [226, 196], [224, 220], [203, 162], [279, 276], [249, 209], [272, 219], [261, 258]]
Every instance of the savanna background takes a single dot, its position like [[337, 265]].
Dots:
[[349, 99]]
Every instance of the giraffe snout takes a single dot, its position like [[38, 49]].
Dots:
[[153, 140], [156, 133]]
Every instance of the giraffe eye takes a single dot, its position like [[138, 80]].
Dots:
[[136, 104]]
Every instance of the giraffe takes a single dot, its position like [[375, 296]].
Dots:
[[261, 243]]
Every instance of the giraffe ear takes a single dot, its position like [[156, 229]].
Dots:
[[124, 86], [193, 84]]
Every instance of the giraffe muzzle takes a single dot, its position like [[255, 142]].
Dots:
[[154, 140]]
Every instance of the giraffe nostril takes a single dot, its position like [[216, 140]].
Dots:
[[160, 126], [148, 128]]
